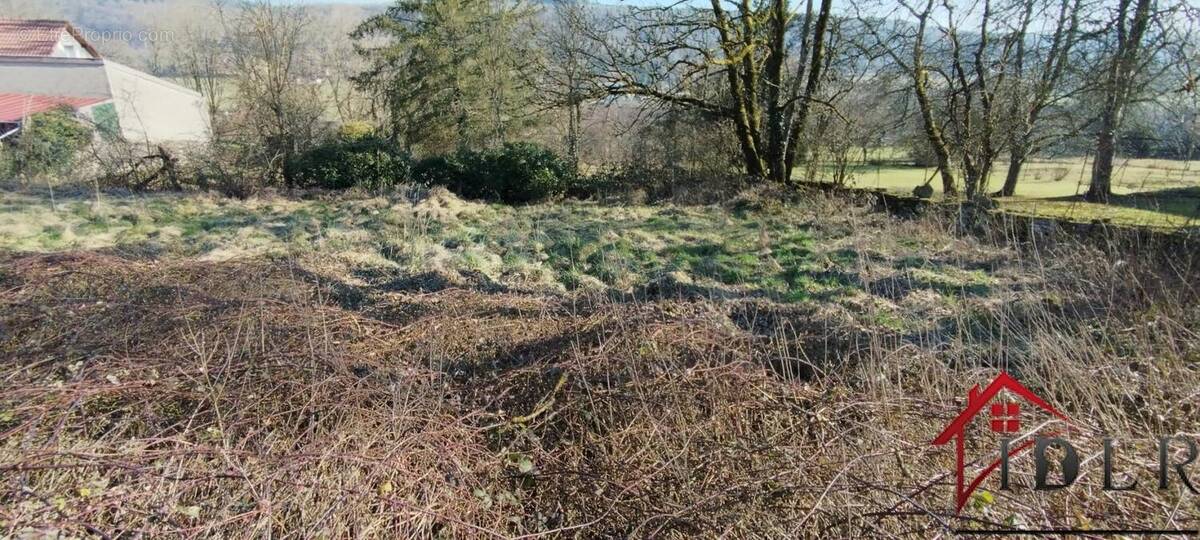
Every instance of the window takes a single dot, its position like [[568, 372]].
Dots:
[[1006, 417]]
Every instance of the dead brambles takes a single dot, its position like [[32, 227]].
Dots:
[[178, 398]]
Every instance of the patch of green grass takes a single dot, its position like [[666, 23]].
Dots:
[[887, 319], [1148, 192], [950, 281], [1158, 213], [52, 236], [1045, 178], [559, 246]]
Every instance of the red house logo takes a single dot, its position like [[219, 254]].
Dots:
[[1004, 418]]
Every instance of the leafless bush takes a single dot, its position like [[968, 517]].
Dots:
[[124, 164]]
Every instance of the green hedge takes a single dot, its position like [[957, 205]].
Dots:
[[368, 162], [516, 173], [449, 171]]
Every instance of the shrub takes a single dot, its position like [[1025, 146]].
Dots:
[[234, 168], [517, 173], [128, 165], [7, 164], [640, 182], [364, 161], [522, 173], [449, 171], [607, 182], [107, 123], [356, 130], [49, 143]]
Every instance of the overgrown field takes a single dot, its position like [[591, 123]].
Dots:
[[420, 366], [718, 251]]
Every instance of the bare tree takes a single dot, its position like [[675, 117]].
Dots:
[[1038, 80], [200, 55], [957, 80], [267, 46], [893, 37], [670, 53], [977, 82], [565, 70], [336, 63], [1120, 79]]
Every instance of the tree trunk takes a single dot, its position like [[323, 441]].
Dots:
[[776, 131], [815, 74], [573, 129], [776, 162], [1118, 89], [934, 134], [1102, 167], [1020, 144], [750, 155], [743, 122], [1016, 161], [461, 123]]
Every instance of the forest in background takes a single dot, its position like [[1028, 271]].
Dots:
[[970, 94]]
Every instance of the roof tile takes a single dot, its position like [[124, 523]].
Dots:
[[14, 107], [29, 37]]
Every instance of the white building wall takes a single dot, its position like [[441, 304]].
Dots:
[[154, 110], [149, 109], [54, 77], [69, 47]]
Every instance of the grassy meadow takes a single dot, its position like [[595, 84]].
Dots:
[[416, 365], [1149, 192]]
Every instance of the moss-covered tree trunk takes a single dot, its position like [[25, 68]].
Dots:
[[1118, 89], [934, 133], [744, 124], [776, 127], [815, 75]]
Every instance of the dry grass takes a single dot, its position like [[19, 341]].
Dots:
[[171, 397]]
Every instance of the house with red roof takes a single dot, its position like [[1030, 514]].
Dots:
[[15, 108], [43, 38], [45, 64]]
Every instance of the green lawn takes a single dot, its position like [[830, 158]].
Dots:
[[1151, 192]]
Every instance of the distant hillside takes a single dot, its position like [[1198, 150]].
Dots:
[[139, 32]]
